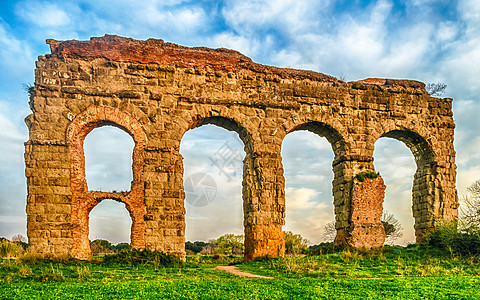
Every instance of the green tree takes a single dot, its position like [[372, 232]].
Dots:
[[294, 243], [99, 247], [228, 244], [195, 247], [120, 247]]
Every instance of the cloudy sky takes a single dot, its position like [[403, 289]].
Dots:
[[427, 40]]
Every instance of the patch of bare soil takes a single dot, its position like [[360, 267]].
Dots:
[[235, 271]]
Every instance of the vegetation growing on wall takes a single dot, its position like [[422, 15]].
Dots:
[[369, 174]]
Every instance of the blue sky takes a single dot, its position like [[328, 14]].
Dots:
[[426, 40]]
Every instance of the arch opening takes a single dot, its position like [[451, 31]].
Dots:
[[109, 221], [316, 139], [213, 153], [307, 162], [108, 158], [407, 180], [420, 148], [396, 164]]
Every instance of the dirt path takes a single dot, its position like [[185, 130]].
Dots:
[[235, 271]]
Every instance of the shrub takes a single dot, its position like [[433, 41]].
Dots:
[[393, 228], [51, 274], [436, 89], [100, 247], [143, 256], [30, 258], [325, 248], [120, 247], [228, 244], [448, 237]]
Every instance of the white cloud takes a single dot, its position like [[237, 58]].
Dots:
[[446, 31], [306, 213], [288, 15], [11, 138], [16, 57], [248, 47], [300, 199], [225, 213], [12, 180], [181, 20], [396, 165], [42, 14], [470, 10], [13, 225]]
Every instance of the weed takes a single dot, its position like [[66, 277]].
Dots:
[[51, 274], [325, 248], [83, 272], [350, 254], [25, 270], [10, 249], [30, 258]]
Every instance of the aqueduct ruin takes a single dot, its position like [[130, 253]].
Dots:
[[157, 91]]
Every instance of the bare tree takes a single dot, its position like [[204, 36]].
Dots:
[[329, 232], [19, 238], [393, 228], [470, 208], [436, 89]]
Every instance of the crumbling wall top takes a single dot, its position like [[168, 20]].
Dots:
[[122, 49]]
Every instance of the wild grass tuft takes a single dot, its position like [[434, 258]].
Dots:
[[51, 274], [10, 249], [82, 272]]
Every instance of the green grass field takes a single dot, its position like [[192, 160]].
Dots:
[[395, 273]]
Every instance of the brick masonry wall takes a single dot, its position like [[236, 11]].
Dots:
[[157, 91]]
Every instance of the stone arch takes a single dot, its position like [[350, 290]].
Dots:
[[227, 123], [83, 200], [426, 188], [333, 135], [167, 89]]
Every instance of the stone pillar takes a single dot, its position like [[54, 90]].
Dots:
[[263, 204], [366, 229], [341, 186], [48, 202], [435, 198], [164, 198]]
